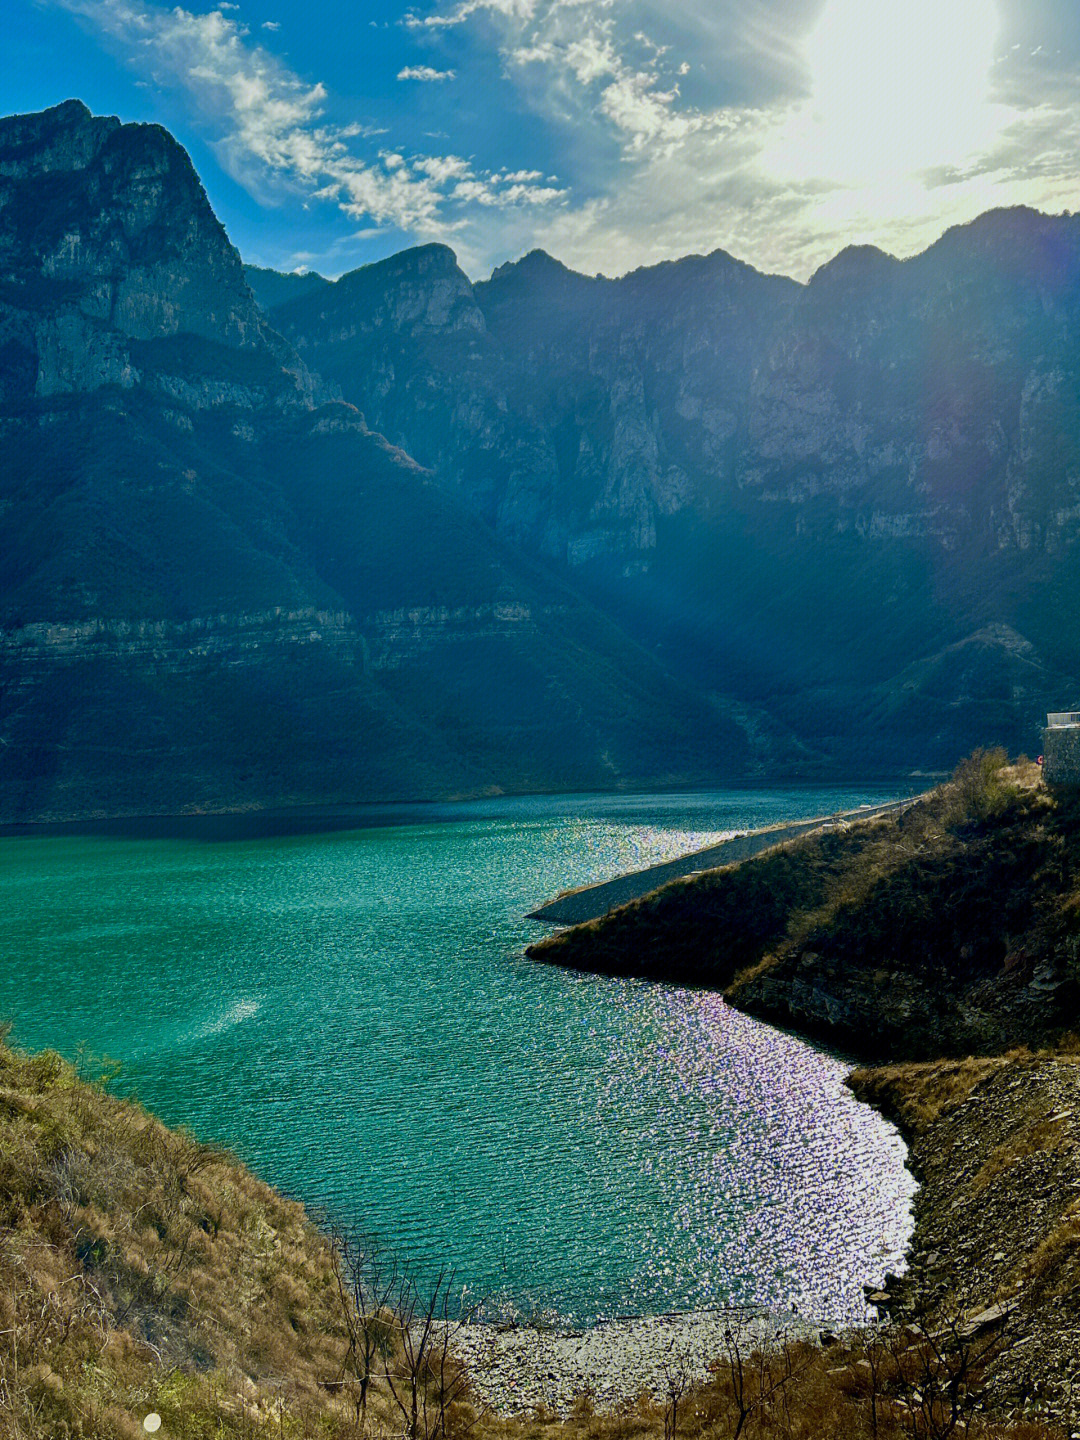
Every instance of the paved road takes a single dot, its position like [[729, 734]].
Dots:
[[577, 906]]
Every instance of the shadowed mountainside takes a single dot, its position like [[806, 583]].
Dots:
[[687, 525], [221, 589], [852, 505]]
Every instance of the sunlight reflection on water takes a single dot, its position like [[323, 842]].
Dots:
[[353, 1012]]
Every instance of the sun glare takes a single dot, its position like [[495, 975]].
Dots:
[[897, 88]]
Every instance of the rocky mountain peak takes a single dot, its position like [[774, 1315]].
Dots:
[[538, 269], [538, 289], [1016, 244], [534, 263], [855, 265], [107, 239], [429, 261], [419, 290], [64, 137], [688, 267], [218, 593]]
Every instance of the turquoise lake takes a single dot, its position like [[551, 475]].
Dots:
[[348, 1006]]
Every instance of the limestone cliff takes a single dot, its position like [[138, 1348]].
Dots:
[[221, 588], [854, 504], [107, 243]]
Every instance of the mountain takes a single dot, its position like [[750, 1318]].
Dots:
[[276, 540], [221, 588], [851, 505], [271, 287]]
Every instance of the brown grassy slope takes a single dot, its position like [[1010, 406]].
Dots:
[[706, 928], [950, 929], [140, 1270]]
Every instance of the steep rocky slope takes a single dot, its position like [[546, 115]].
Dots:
[[854, 505], [996, 1146], [221, 588]]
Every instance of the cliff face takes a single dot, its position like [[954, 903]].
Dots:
[[221, 588], [855, 503], [573, 413], [657, 529], [107, 243], [409, 336]]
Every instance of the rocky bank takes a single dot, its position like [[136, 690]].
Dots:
[[949, 930], [995, 1144]]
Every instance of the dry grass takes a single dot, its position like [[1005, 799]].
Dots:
[[915, 1095], [1045, 1136], [731, 924], [899, 1384], [707, 927], [908, 937], [140, 1270]]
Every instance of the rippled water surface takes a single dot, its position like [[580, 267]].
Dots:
[[351, 1010]]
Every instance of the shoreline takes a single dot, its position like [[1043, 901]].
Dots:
[[981, 1134], [993, 1262], [592, 902], [518, 1369], [344, 814]]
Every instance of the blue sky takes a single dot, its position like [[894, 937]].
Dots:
[[613, 133]]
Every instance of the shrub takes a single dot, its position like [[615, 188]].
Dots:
[[979, 789]]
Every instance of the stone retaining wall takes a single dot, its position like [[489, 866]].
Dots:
[[1061, 756]]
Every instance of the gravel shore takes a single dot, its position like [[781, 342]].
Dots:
[[514, 1369]]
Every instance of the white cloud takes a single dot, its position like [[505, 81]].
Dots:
[[592, 57], [519, 10], [488, 191], [756, 177], [442, 167], [592, 77], [647, 115], [531, 195], [272, 25], [425, 72], [874, 123], [272, 130]]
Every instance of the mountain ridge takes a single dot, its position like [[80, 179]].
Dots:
[[223, 589], [803, 494], [688, 524]]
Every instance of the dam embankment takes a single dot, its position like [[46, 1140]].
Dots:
[[591, 902]]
